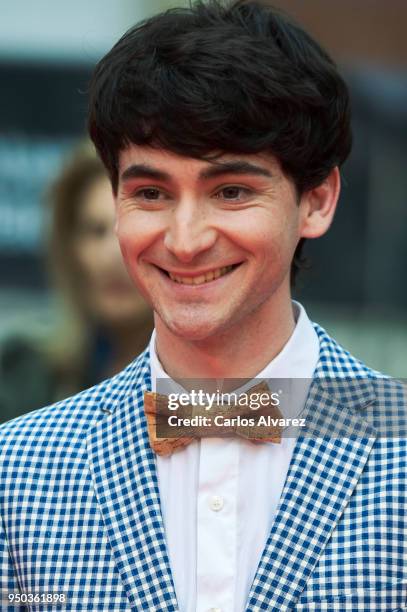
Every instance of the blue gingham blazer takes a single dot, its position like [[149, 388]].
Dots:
[[80, 508]]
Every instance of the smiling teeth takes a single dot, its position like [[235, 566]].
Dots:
[[202, 278]]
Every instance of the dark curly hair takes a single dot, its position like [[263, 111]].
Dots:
[[218, 76]]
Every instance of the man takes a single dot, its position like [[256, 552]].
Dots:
[[222, 128]]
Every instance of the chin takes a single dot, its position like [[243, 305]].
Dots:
[[194, 330]]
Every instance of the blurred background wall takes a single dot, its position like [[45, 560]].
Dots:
[[356, 285]]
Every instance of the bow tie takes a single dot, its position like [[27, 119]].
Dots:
[[241, 421]]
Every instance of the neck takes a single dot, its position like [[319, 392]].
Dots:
[[241, 351]]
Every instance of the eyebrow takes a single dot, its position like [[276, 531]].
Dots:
[[234, 167], [218, 169], [143, 171]]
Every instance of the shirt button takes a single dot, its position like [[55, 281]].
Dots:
[[216, 504]]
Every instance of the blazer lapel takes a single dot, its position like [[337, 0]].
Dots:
[[123, 468], [321, 478]]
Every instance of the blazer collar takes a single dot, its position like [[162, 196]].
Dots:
[[322, 475], [123, 468]]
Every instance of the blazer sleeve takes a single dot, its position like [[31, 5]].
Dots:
[[8, 579]]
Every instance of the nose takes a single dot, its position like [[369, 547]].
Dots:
[[189, 232]]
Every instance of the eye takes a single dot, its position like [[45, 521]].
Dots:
[[233, 193], [149, 193]]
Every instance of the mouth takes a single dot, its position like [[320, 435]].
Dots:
[[203, 278]]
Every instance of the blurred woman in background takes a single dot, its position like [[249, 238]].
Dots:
[[106, 322]]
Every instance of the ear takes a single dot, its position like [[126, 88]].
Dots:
[[318, 206]]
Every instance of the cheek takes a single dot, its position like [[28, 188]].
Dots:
[[268, 235], [137, 233], [132, 234]]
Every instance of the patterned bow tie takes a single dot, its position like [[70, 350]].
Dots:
[[243, 421]]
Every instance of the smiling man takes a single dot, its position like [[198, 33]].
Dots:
[[210, 245], [222, 127]]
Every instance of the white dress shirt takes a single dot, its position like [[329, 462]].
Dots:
[[219, 496]]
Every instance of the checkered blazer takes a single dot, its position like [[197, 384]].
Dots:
[[80, 508]]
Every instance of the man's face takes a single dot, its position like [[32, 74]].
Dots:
[[209, 245]]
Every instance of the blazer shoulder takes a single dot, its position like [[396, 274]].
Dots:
[[384, 397], [336, 361], [71, 418]]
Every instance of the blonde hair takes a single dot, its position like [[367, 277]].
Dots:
[[68, 345], [66, 196]]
